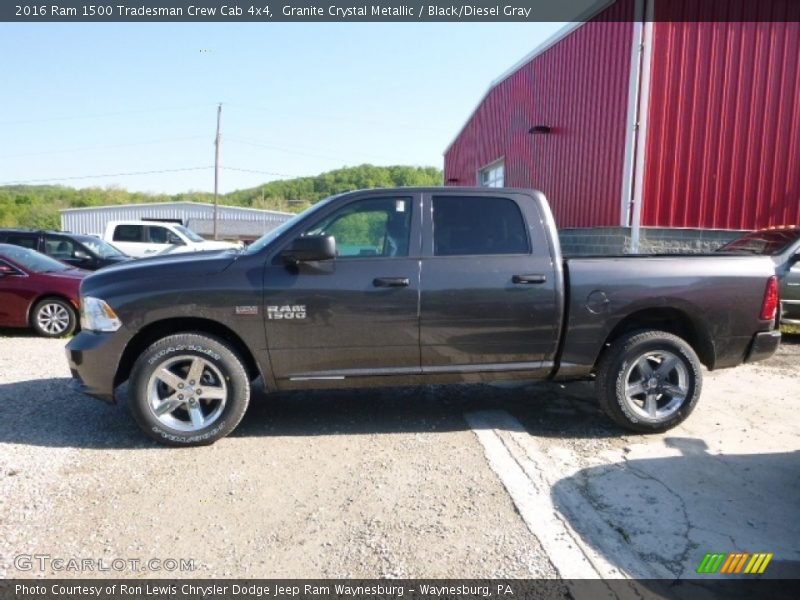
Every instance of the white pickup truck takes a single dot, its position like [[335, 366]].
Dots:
[[148, 238]]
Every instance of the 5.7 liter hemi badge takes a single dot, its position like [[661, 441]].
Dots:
[[246, 310], [295, 311]]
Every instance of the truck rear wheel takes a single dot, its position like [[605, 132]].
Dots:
[[188, 389], [649, 381]]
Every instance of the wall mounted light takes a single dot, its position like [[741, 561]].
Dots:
[[540, 129]]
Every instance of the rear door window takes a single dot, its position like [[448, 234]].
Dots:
[[468, 226], [129, 233], [25, 240]]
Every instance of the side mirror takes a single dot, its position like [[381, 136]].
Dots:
[[174, 240], [310, 248], [6, 270], [81, 255]]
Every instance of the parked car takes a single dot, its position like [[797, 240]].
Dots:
[[82, 251], [145, 238], [38, 291], [782, 245], [415, 286]]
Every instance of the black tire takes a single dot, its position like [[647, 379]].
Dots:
[[221, 404], [54, 317], [623, 369]]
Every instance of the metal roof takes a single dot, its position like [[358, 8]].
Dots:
[[176, 204], [591, 11]]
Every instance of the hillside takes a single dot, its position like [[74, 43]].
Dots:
[[38, 206]]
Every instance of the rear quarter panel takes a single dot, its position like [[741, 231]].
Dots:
[[721, 296]]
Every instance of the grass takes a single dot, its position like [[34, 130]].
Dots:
[[790, 330]]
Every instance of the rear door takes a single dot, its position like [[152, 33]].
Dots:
[[130, 239], [356, 315], [488, 285]]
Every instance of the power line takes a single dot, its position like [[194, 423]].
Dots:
[[73, 177], [104, 115], [285, 149], [111, 147], [153, 172], [382, 124], [260, 172]]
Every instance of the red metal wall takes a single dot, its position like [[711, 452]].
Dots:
[[579, 87], [723, 146]]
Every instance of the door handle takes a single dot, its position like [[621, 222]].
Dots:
[[391, 282], [529, 279]]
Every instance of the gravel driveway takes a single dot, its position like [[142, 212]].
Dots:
[[387, 483]]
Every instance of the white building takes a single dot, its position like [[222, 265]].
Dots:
[[233, 222]]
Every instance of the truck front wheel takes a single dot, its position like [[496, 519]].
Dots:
[[649, 381], [188, 389]]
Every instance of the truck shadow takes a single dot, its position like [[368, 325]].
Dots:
[[45, 412], [667, 512]]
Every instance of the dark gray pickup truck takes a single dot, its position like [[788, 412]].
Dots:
[[414, 286]]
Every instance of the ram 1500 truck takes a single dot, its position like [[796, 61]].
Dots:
[[414, 286]]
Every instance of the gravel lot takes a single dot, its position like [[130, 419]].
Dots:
[[388, 483]]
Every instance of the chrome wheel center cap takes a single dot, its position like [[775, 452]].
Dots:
[[652, 383]]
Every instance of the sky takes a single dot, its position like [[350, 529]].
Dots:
[[88, 99]]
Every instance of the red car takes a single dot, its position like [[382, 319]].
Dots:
[[38, 291]]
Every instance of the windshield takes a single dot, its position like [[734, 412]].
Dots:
[[99, 247], [765, 243], [265, 239], [189, 233], [31, 260]]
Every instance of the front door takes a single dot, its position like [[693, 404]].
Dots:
[[489, 300], [15, 296], [355, 315]]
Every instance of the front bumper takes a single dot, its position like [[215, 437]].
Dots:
[[93, 360], [763, 346]]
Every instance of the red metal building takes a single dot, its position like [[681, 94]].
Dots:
[[630, 119]]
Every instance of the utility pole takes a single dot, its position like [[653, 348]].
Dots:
[[216, 168]]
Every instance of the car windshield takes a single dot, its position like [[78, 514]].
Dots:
[[265, 239], [189, 233], [765, 243], [99, 247], [31, 260]]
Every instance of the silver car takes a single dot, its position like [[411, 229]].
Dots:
[[783, 246]]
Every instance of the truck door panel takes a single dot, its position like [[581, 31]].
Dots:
[[357, 314], [488, 299]]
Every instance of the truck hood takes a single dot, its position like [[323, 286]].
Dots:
[[216, 245], [169, 266]]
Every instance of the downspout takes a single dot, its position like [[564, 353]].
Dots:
[[632, 114], [641, 126]]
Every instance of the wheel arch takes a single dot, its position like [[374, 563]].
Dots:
[[670, 320], [45, 296], [159, 329]]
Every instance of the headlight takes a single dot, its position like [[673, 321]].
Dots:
[[96, 315]]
